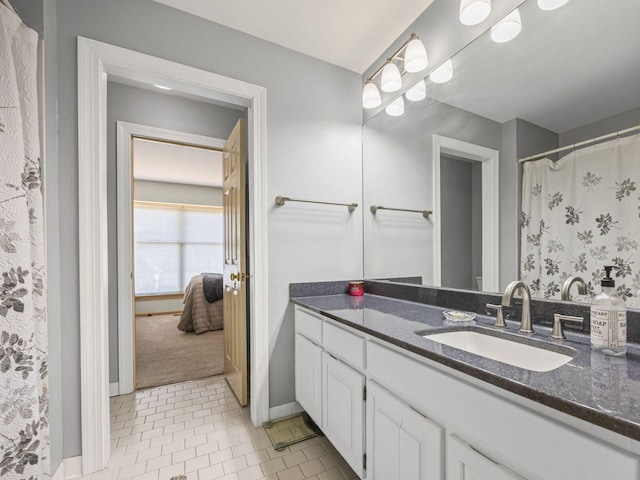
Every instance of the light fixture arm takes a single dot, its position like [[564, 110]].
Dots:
[[393, 58]]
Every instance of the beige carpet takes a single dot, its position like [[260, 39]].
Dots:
[[165, 355]]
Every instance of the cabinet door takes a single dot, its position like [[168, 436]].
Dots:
[[465, 463], [401, 443], [309, 377], [343, 410]]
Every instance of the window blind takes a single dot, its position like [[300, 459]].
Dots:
[[174, 243]]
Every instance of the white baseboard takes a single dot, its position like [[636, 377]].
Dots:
[[284, 410], [69, 468], [114, 389]]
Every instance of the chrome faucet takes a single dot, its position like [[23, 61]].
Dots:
[[507, 298], [566, 287]]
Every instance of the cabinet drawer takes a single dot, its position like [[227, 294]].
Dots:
[[309, 324], [344, 344]]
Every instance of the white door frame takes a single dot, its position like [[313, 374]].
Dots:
[[490, 207], [125, 132], [96, 62]]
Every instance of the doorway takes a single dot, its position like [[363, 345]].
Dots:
[[460, 157], [159, 194], [176, 247], [96, 62]]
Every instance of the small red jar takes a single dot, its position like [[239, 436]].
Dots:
[[356, 288]]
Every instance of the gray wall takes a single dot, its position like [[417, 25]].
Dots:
[[509, 205], [628, 119], [41, 16], [314, 151], [145, 107], [398, 172]]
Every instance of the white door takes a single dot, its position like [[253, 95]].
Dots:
[[235, 264], [465, 463], [309, 377], [401, 443], [343, 410]]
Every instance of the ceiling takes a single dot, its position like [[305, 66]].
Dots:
[[351, 34], [167, 162], [567, 68]]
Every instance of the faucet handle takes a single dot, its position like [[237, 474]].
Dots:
[[558, 318], [499, 315]]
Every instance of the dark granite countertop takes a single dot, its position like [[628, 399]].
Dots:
[[597, 388]]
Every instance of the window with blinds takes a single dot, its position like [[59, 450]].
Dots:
[[173, 243]]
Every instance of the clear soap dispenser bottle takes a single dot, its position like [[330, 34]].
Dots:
[[608, 319]]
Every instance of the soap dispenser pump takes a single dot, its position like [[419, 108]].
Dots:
[[608, 319]]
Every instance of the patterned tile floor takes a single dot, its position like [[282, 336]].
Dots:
[[198, 429]]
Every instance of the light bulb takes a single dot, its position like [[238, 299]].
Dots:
[[395, 108], [443, 73], [473, 12], [370, 95], [508, 28], [415, 56], [417, 92], [391, 78], [551, 4]]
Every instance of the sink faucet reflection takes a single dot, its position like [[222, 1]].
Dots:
[[566, 287], [507, 299]]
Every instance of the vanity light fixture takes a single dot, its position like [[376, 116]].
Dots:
[[551, 4], [417, 92], [391, 78], [395, 108], [473, 12], [508, 28], [162, 87], [443, 73], [371, 95], [414, 57]]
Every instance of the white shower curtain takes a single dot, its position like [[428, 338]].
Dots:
[[24, 433], [581, 213]]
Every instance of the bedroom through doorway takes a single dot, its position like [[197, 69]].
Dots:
[[178, 245]]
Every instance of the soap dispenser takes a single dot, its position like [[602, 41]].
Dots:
[[608, 319]]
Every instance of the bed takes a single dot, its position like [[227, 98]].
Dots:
[[202, 304]]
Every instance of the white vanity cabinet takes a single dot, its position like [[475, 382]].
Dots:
[[401, 443], [413, 404], [465, 463]]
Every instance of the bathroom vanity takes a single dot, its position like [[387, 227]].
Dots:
[[397, 405]]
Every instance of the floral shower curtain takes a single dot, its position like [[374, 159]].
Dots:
[[24, 434], [579, 214]]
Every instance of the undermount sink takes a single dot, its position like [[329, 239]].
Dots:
[[503, 350]]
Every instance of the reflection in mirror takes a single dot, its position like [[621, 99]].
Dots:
[[571, 75], [461, 191]]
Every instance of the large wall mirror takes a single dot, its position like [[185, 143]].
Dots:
[[483, 197]]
